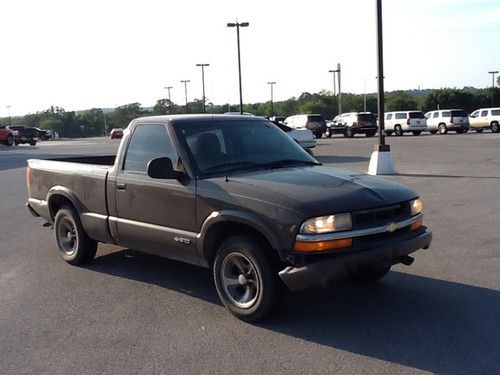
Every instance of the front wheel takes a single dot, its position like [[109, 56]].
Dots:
[[442, 129], [388, 133], [74, 245], [478, 130], [328, 133], [398, 130], [245, 278], [348, 133], [433, 131], [10, 141]]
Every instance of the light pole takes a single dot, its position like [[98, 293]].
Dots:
[[203, 83], [8, 109], [238, 25], [334, 71], [493, 86], [168, 88], [381, 161], [340, 90], [272, 102], [185, 81]]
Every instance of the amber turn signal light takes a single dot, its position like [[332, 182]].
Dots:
[[417, 224], [310, 247]]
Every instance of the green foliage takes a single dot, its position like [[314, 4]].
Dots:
[[399, 101], [52, 123], [449, 98], [122, 115], [92, 122]]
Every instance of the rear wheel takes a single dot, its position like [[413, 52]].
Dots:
[[32, 142], [370, 133], [398, 130], [417, 132], [494, 127], [442, 129], [318, 134], [328, 133], [370, 273], [433, 131], [74, 245], [246, 278], [388, 132]]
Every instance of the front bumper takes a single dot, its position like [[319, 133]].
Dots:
[[324, 271]]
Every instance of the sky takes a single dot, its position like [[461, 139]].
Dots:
[[81, 54]]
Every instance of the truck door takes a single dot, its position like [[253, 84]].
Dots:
[[154, 215]]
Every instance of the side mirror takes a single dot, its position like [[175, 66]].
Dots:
[[162, 168]]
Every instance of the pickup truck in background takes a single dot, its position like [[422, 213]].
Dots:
[[234, 194]]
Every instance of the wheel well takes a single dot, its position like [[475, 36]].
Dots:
[[219, 232], [56, 202], [493, 122]]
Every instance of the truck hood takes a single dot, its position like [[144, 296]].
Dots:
[[314, 191]]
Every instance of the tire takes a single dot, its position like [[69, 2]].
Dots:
[[74, 245], [442, 129], [459, 131], [398, 130], [10, 141], [388, 132], [246, 279], [370, 134], [417, 132], [33, 143], [318, 135], [328, 134], [494, 127], [348, 133], [433, 131], [370, 273], [478, 130]]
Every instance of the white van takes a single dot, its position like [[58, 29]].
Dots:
[[447, 119], [485, 118], [405, 122]]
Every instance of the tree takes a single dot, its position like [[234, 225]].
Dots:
[[126, 113], [449, 98], [399, 101], [91, 122]]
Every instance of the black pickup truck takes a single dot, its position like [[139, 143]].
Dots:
[[232, 193]]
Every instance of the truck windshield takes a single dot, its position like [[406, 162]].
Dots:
[[219, 147]]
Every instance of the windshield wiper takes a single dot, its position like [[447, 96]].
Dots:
[[288, 162], [234, 166]]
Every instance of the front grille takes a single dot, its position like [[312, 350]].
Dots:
[[380, 216]]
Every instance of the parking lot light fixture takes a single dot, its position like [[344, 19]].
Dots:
[[272, 102], [493, 72], [334, 71], [185, 81], [203, 84], [168, 88], [238, 25], [381, 161]]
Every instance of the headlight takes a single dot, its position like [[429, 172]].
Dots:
[[416, 206], [326, 224]]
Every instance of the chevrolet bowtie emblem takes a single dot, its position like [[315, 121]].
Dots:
[[391, 227]]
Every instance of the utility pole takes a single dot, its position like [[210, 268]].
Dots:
[[334, 71], [340, 90], [185, 81], [8, 109]]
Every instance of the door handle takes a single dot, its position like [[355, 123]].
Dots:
[[121, 186]]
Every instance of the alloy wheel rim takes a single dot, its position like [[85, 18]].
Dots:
[[66, 235], [240, 280]]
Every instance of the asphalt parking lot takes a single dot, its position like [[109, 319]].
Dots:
[[134, 313]]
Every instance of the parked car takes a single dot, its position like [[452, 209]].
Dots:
[[352, 123], [6, 135], [233, 194], [44, 134], [24, 134], [447, 119], [315, 123], [405, 122], [116, 133], [485, 118], [304, 137]]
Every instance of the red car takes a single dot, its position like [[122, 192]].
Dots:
[[6, 136], [116, 133]]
